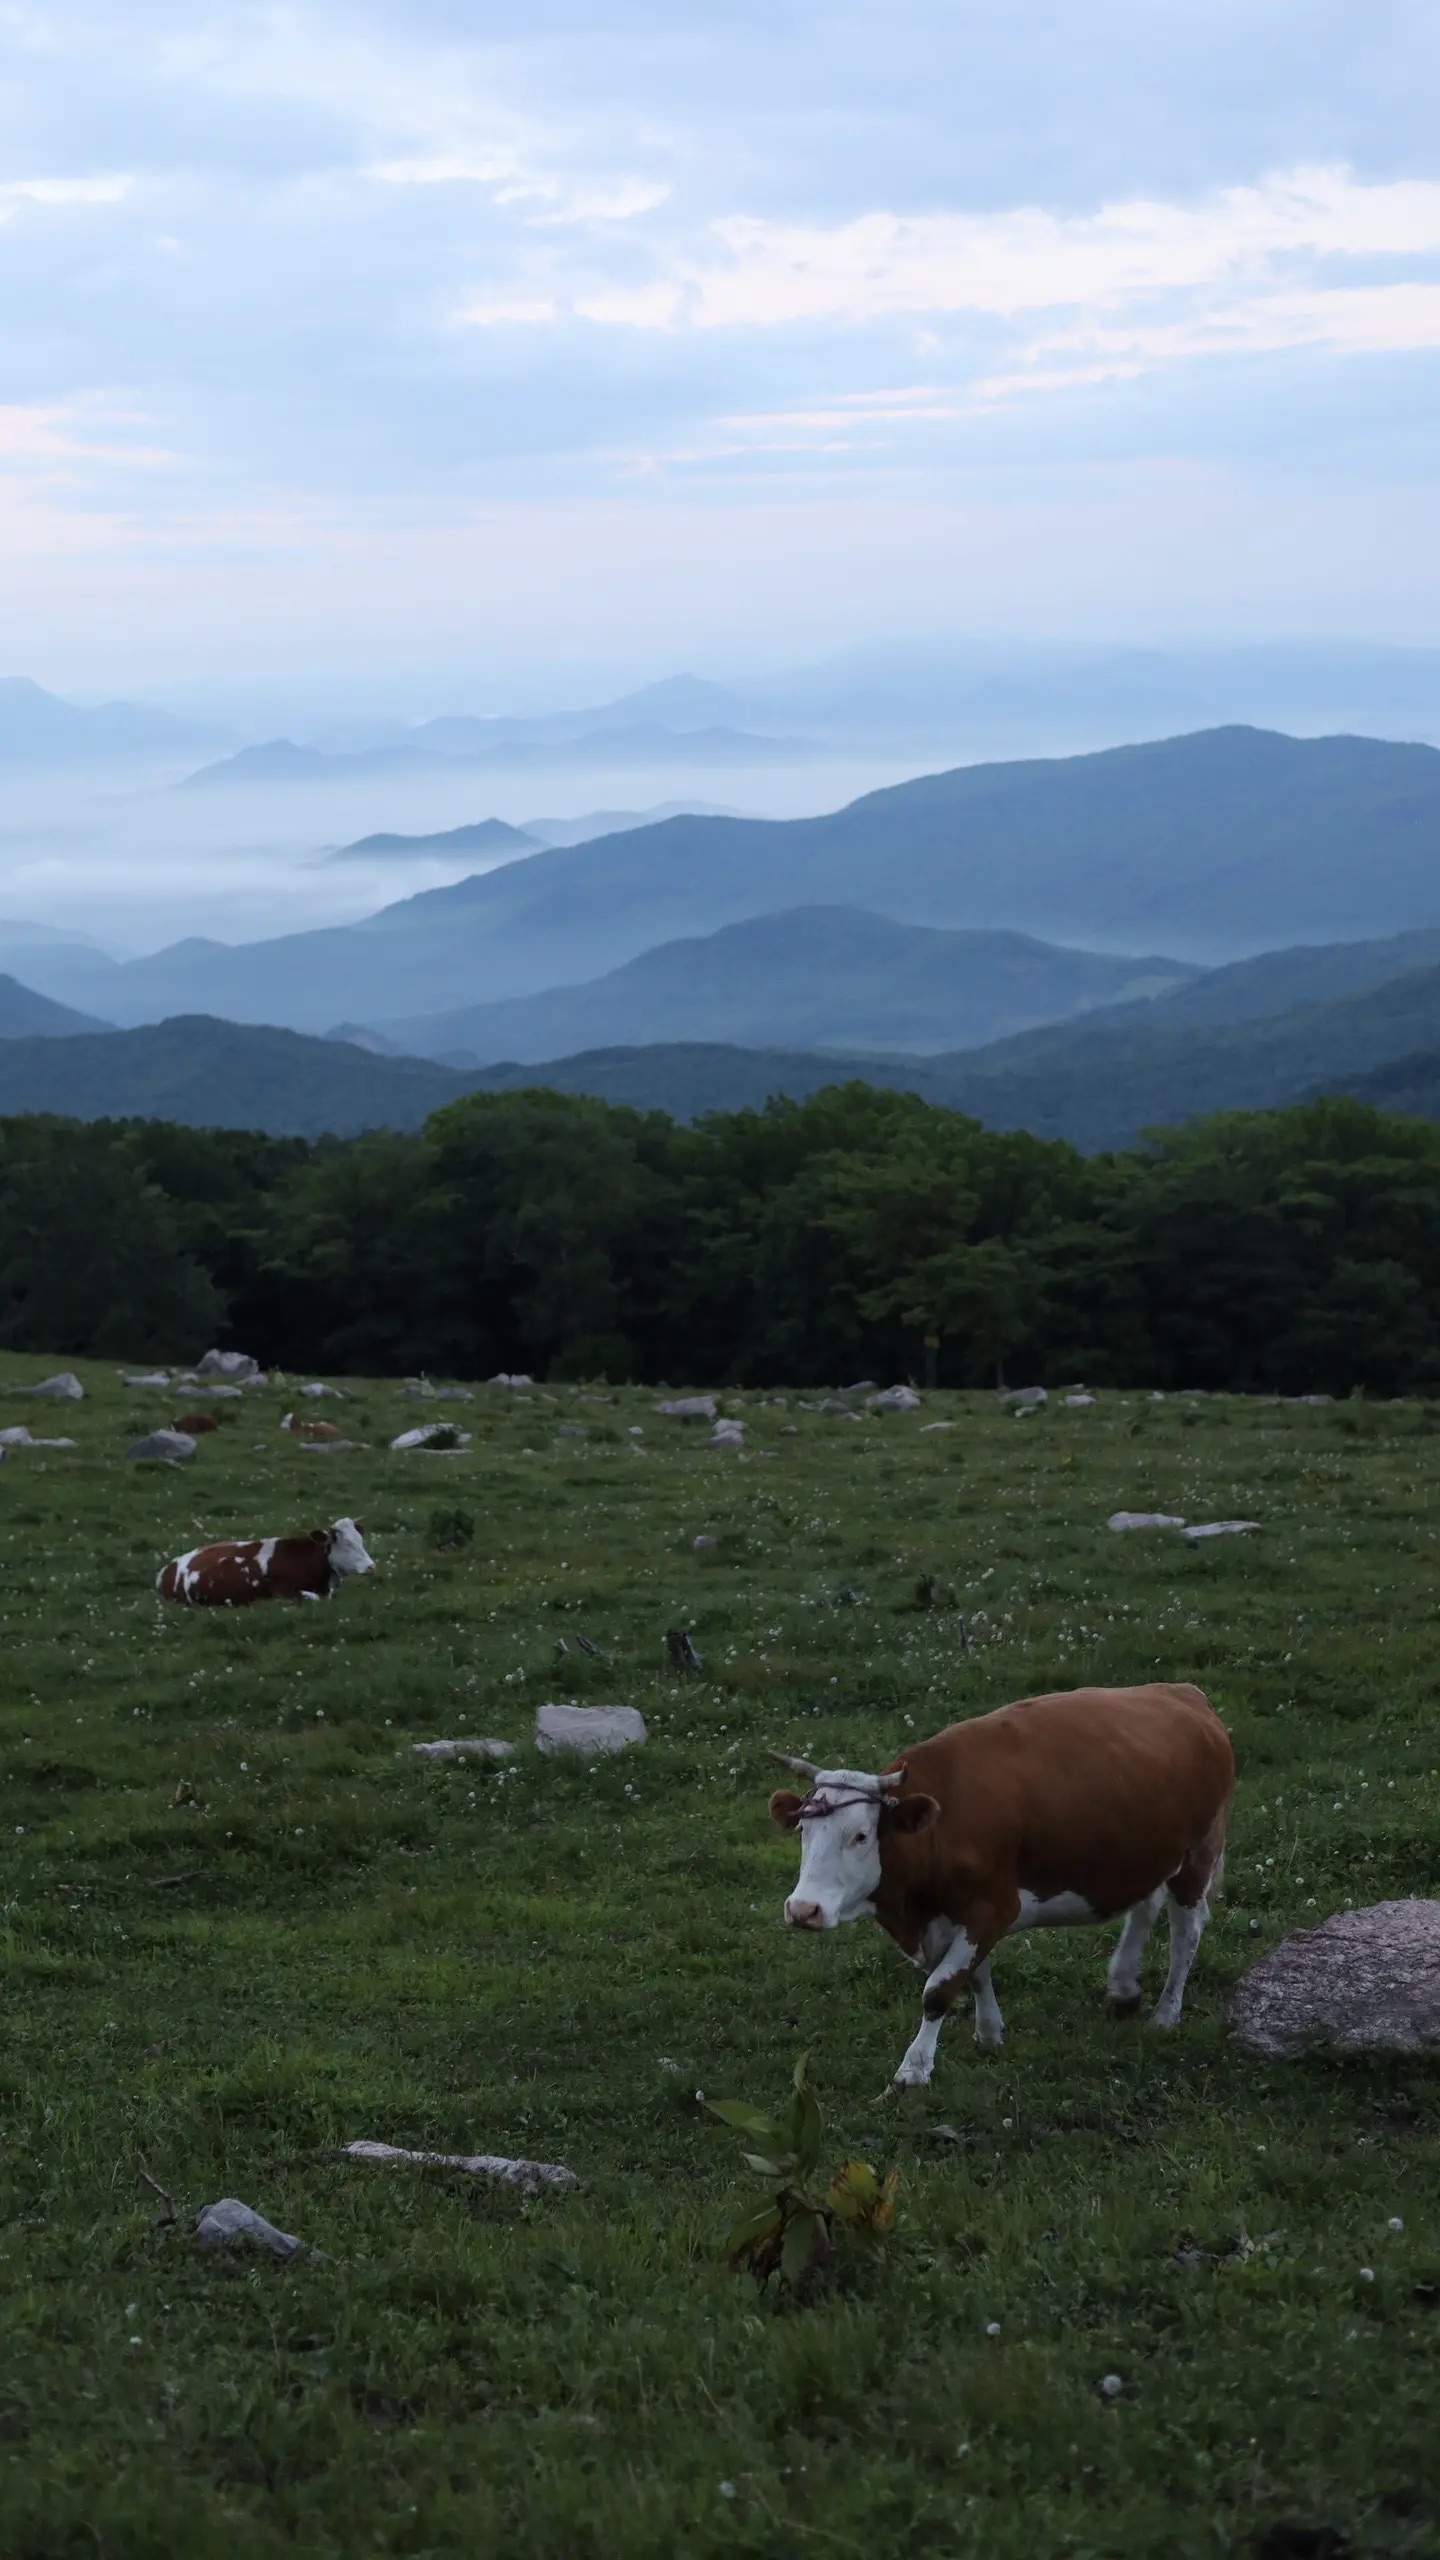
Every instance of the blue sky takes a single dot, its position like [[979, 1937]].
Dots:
[[529, 341]]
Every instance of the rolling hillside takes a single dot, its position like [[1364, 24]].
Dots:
[[1209, 847], [223, 1075], [815, 977], [24, 1015]]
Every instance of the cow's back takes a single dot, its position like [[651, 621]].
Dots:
[[1101, 1792], [236, 1571]]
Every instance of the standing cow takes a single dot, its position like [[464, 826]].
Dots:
[[239, 1570], [1053, 1812]]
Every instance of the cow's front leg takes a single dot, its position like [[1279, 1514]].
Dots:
[[989, 2025], [948, 1978]]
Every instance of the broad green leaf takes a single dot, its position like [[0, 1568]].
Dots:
[[733, 2111], [808, 2133], [799, 2072], [854, 2191], [803, 2242], [757, 2227], [766, 2168]]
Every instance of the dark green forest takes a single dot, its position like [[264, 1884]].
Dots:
[[812, 1242]]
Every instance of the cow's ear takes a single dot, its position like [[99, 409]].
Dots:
[[909, 1814], [324, 1536], [359, 1528], [785, 1808]]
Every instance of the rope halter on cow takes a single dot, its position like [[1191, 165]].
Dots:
[[821, 1801]]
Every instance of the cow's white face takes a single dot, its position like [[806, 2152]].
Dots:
[[839, 1829], [346, 1547]]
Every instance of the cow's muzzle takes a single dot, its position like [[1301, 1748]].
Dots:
[[804, 1915]]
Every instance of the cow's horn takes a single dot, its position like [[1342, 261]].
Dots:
[[890, 1780], [802, 1768]]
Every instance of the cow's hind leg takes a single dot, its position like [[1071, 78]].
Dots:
[[1122, 1981], [989, 2025], [1189, 1893]]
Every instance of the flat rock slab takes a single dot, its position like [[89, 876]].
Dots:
[[231, 2220], [1120, 1520], [1363, 1982], [689, 1408], [588, 1729], [171, 1445], [894, 1400], [1219, 1528], [65, 1388], [1023, 1398], [439, 1437], [1077, 1403], [314, 1389], [17, 1437], [469, 1747], [152, 1378], [530, 2175]]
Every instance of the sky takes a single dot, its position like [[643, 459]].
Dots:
[[592, 338]]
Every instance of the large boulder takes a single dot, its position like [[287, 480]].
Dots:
[[894, 1400], [1027, 1399], [441, 1438], [588, 1730], [1362, 1982], [63, 1388], [689, 1408], [234, 1365]]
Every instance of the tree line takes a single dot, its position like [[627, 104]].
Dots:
[[859, 1233]]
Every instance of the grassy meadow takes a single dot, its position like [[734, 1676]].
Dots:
[[326, 1939]]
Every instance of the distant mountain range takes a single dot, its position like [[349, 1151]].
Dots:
[[40, 728], [1206, 847], [1100, 1082], [281, 761], [24, 1015], [813, 977], [487, 835]]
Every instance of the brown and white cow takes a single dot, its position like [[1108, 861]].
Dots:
[[307, 1426], [238, 1570], [1055, 1811]]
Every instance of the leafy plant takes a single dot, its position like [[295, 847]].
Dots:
[[794, 2234], [451, 1530]]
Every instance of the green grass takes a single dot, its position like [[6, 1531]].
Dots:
[[465, 1958]]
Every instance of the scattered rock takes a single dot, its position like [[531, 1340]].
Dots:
[[689, 1408], [152, 1378], [727, 1435], [570, 1431], [703, 1541], [511, 1378], [454, 1395], [169, 1445], [1362, 1982], [336, 1448], [1145, 1520], [237, 1366], [1076, 1402], [17, 1437], [894, 1400], [1219, 1528], [588, 1730], [231, 2220], [935, 1426], [469, 1747], [63, 1388], [1024, 1399], [419, 1387], [680, 1646], [530, 2175], [216, 1395], [440, 1437], [863, 1387], [314, 1389]]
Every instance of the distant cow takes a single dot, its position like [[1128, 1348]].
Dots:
[[197, 1424], [1054, 1811], [237, 1571], [305, 1426]]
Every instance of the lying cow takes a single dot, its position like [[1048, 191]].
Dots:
[[307, 1426], [1051, 1812], [239, 1570], [196, 1424]]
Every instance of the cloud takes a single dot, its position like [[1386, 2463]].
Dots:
[[15, 192]]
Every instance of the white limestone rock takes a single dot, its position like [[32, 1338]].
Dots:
[[588, 1730], [1364, 1981]]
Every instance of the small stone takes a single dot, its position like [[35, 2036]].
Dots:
[[588, 1730], [1077, 1403], [231, 2220], [528, 2175], [992, 2328], [440, 1438], [1111, 2387], [1027, 1399], [944, 2133], [893, 1400], [1220, 1528], [689, 1408], [469, 1747], [1122, 1520], [1394, 2223], [169, 1445], [151, 1378], [704, 1541]]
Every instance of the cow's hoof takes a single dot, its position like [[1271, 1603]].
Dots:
[[911, 2076], [990, 2043], [1163, 2017], [1123, 2004]]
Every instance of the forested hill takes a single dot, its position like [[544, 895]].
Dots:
[[805, 1244], [1206, 846], [224, 1075]]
